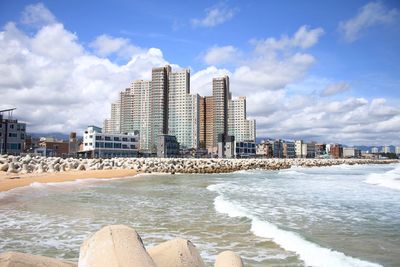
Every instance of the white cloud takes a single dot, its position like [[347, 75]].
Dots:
[[58, 85], [201, 81], [214, 16], [105, 45], [221, 55], [37, 15], [303, 38], [335, 88], [371, 14]]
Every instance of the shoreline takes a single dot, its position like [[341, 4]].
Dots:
[[17, 171], [10, 181]]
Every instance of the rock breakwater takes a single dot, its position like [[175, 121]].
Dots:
[[38, 164]]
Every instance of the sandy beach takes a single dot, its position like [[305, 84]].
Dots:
[[11, 181]]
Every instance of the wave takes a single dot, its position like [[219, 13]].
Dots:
[[312, 254], [389, 179], [37, 189]]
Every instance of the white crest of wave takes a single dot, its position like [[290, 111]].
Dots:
[[389, 179], [311, 253]]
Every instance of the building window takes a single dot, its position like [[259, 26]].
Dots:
[[132, 139], [116, 138], [133, 147], [117, 145], [125, 139], [12, 135], [108, 145], [98, 137], [107, 138]]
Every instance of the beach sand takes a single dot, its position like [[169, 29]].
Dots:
[[10, 181]]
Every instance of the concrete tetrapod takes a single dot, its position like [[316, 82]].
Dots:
[[177, 253], [228, 259], [114, 246], [18, 259]]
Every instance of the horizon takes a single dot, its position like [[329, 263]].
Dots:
[[314, 71]]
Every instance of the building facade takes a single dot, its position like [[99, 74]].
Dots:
[[12, 136], [351, 152], [158, 104], [167, 146], [336, 151], [127, 114], [103, 145], [141, 110], [238, 125], [183, 110], [289, 150], [221, 95]]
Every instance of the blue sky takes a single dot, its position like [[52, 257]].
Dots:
[[332, 66]]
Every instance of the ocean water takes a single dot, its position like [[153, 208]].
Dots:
[[329, 216]]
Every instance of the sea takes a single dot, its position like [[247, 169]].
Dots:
[[327, 216]]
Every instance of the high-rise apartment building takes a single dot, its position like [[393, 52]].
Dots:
[[221, 95], [141, 110], [238, 125], [183, 110], [127, 115], [252, 129], [158, 104], [202, 122], [209, 122], [113, 125]]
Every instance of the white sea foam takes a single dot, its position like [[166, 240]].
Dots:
[[389, 179], [312, 254]]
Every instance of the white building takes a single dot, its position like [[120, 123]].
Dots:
[[386, 149], [104, 145], [351, 152], [141, 110], [113, 124], [126, 102], [397, 149], [183, 110], [238, 125], [375, 150], [304, 150]]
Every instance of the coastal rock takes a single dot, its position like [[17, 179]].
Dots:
[[18, 259], [81, 167], [228, 259], [12, 168], [177, 252], [114, 246], [4, 167]]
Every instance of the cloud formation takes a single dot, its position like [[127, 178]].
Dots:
[[335, 88], [215, 15], [371, 14], [59, 85]]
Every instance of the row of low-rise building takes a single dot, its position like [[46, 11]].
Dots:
[[301, 149], [164, 106]]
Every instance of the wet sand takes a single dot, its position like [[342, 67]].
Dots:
[[11, 181]]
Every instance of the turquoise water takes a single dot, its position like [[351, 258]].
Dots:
[[330, 216]]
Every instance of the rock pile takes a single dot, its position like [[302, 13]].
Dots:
[[38, 164], [121, 246]]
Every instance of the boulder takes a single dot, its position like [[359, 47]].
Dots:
[[177, 252], [12, 168], [228, 259], [18, 259], [4, 167], [114, 246]]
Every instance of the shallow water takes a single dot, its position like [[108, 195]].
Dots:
[[329, 216]]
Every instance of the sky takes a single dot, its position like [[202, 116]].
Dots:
[[325, 71]]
